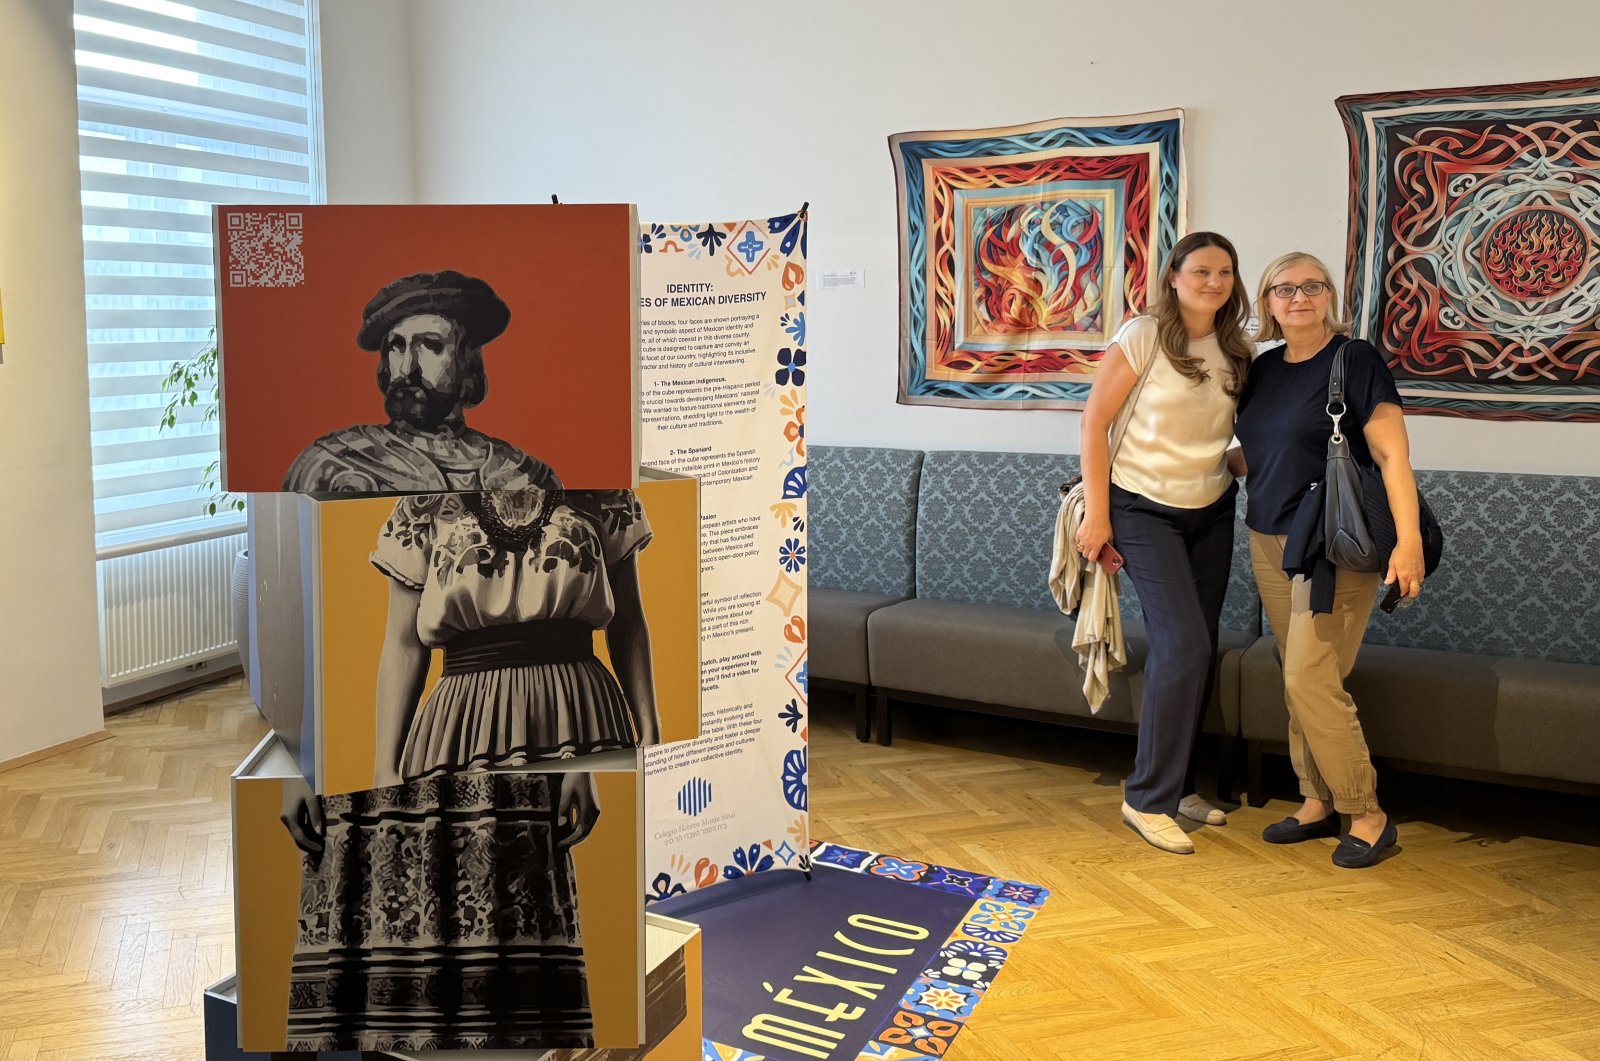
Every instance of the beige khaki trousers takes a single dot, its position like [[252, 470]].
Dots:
[[1325, 740]]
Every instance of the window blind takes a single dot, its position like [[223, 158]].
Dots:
[[180, 106]]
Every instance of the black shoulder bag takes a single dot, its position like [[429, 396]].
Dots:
[[1357, 526]]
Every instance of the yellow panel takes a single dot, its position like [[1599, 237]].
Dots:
[[267, 889], [355, 603]]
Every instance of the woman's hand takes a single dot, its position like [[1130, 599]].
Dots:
[[302, 815], [1406, 567], [1093, 533], [577, 808]]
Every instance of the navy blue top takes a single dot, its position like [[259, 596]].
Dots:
[[1284, 427]]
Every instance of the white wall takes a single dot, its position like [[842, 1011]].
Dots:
[[716, 109], [367, 86], [49, 650]]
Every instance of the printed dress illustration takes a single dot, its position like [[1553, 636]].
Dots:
[[441, 911]]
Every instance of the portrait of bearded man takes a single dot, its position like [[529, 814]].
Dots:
[[428, 330]]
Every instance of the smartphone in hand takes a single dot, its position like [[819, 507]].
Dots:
[[1109, 559], [1394, 599]]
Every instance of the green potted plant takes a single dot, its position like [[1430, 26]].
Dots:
[[188, 384]]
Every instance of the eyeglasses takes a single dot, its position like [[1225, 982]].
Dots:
[[1311, 288]]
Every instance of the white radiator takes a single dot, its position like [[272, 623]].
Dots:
[[165, 610]]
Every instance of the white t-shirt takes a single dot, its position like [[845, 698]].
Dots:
[[1174, 451]]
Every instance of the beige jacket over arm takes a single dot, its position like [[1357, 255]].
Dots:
[[1078, 583]]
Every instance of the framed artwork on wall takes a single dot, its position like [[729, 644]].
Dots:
[[1022, 248], [1474, 245]]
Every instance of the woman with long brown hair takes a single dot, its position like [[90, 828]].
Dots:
[[1167, 506]]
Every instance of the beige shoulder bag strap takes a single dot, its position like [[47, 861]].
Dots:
[[1119, 427]]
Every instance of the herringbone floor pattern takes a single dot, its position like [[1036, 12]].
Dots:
[[116, 894], [1480, 940]]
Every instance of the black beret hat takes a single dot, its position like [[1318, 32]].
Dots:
[[466, 300]]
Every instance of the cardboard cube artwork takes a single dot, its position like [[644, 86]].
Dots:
[[345, 638], [413, 349], [463, 923]]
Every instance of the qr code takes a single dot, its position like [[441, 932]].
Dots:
[[264, 250]]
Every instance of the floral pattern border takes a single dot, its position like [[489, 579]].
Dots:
[[776, 247], [936, 1006]]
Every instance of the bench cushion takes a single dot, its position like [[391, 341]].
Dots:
[[985, 522], [1518, 574], [998, 654], [1523, 717], [836, 633]]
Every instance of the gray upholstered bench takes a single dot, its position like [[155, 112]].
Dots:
[[982, 632], [1495, 673], [861, 540]]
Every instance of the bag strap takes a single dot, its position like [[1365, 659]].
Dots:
[[1336, 392], [1125, 414]]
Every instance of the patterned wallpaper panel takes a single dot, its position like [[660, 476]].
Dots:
[[984, 527], [862, 506], [1241, 608], [1518, 575]]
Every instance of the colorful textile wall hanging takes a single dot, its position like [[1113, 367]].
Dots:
[[1474, 245], [1023, 248]]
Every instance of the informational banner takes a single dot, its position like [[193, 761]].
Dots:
[[723, 398]]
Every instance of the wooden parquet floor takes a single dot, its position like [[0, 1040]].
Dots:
[[116, 890], [1480, 940]]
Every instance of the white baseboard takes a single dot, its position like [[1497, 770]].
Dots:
[[55, 749]]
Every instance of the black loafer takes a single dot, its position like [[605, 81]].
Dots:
[[1292, 831], [1355, 853]]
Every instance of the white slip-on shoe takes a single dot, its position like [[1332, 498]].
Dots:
[[1198, 808], [1158, 830]]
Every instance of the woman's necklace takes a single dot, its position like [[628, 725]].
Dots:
[[515, 519]]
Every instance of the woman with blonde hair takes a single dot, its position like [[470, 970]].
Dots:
[[1283, 427], [1167, 503]]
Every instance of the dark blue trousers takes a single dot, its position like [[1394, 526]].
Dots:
[[1178, 559]]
